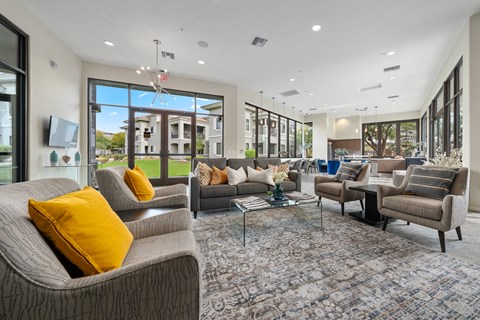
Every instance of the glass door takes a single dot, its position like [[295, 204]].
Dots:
[[162, 144]]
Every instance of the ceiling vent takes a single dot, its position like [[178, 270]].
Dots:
[[168, 55], [259, 42], [372, 87], [391, 68], [289, 93], [393, 97], [312, 109]]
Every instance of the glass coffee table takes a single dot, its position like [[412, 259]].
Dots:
[[246, 207]]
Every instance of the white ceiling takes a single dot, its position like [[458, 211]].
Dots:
[[348, 53]]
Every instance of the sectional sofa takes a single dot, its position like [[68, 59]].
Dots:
[[212, 197]]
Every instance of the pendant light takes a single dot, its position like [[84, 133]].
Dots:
[[356, 120], [376, 123]]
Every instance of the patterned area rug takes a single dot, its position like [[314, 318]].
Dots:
[[290, 269]]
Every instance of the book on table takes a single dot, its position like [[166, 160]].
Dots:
[[253, 202], [296, 195]]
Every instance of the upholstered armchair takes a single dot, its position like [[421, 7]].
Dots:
[[120, 197], [439, 214], [160, 277], [328, 187]]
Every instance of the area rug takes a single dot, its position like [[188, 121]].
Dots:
[[292, 269]]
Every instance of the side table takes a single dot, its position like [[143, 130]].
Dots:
[[370, 215]]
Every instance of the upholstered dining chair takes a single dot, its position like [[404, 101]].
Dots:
[[112, 186], [420, 207], [333, 189]]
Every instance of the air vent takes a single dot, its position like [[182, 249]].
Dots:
[[259, 42], [168, 55], [312, 109], [289, 93], [391, 68], [372, 87], [393, 97]]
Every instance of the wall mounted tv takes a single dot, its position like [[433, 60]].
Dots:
[[62, 133]]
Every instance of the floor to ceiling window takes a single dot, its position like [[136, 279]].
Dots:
[[13, 79], [131, 125]]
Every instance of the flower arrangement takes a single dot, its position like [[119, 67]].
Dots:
[[279, 176], [441, 159]]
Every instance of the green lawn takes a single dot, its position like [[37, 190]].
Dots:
[[176, 168]]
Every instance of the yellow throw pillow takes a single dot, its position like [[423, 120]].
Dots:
[[218, 176], [84, 228], [138, 182]]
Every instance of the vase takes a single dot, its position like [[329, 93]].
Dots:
[[54, 159], [277, 192], [78, 158]]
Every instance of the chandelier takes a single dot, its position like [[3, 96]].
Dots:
[[155, 77]]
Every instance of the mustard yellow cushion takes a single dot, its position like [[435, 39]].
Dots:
[[138, 182], [218, 176], [84, 228]]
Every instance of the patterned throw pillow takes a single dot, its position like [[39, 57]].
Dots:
[[203, 173], [431, 182], [348, 171], [264, 176], [284, 167], [218, 176]]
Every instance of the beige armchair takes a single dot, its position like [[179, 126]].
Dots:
[[160, 277], [120, 197], [327, 187], [442, 215]]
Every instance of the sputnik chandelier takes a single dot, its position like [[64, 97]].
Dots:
[[156, 77]]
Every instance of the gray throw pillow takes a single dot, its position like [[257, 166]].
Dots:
[[348, 171], [431, 182]]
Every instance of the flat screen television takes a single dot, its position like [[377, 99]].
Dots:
[[62, 133]]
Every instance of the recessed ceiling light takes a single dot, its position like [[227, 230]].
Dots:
[[203, 44], [391, 53], [201, 62], [325, 104], [311, 93], [109, 43], [316, 27], [393, 78], [292, 79]]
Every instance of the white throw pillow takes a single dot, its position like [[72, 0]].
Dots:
[[264, 176], [236, 176]]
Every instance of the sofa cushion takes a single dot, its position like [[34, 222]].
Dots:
[[415, 205], [286, 186], [236, 176], [244, 163], [203, 173], [219, 176], [251, 188], [84, 228], [221, 190], [138, 182], [264, 162], [220, 163], [348, 171], [264, 176], [431, 182], [333, 188]]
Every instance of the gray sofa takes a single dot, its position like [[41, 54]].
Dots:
[[212, 197], [160, 277]]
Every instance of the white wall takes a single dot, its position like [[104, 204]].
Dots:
[[50, 91]]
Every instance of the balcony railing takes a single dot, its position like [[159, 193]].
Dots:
[[174, 135]]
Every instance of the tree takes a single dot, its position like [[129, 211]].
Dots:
[[118, 140], [200, 144], [102, 141]]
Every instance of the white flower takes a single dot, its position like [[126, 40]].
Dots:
[[279, 177]]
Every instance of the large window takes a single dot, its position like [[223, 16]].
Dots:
[[269, 134], [389, 139], [126, 129], [13, 117], [446, 114]]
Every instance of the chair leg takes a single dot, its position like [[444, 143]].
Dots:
[[385, 222], [408, 223], [459, 233], [343, 208], [361, 203], [441, 236], [195, 214]]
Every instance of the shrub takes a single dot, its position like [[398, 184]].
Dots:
[[4, 148], [250, 153]]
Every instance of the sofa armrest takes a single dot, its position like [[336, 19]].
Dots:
[[455, 210], [322, 179], [170, 190], [386, 191], [194, 192], [297, 178], [168, 222]]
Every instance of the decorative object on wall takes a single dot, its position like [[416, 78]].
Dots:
[[54, 159], [78, 158], [156, 77], [66, 157]]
